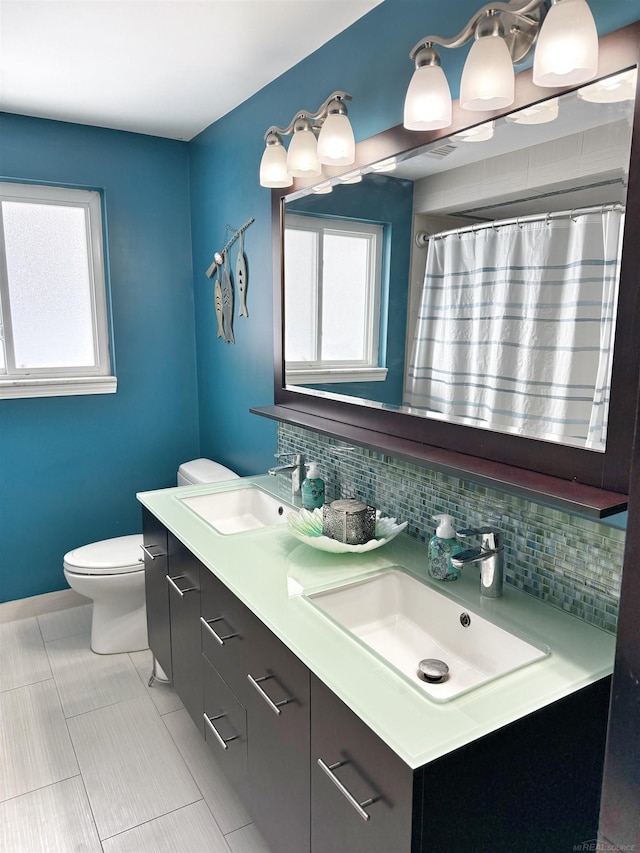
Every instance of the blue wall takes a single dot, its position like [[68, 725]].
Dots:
[[70, 466], [370, 61]]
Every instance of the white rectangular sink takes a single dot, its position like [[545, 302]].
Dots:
[[238, 510], [404, 621]]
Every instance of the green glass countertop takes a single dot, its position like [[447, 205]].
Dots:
[[268, 569]]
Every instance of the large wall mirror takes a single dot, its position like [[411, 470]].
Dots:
[[476, 291]]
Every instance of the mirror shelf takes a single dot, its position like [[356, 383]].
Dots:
[[567, 495], [484, 452]]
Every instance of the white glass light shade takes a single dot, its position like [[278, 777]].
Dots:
[[567, 48], [488, 79], [302, 157], [537, 114], [387, 165], [336, 143], [611, 90], [480, 133], [273, 167], [351, 177], [427, 105]]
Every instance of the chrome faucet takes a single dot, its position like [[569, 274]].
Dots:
[[296, 466], [490, 555]]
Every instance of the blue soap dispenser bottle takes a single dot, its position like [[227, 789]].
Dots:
[[312, 488], [442, 547]]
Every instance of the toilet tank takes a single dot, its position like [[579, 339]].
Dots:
[[203, 471]]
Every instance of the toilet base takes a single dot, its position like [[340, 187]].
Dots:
[[114, 631], [119, 621]]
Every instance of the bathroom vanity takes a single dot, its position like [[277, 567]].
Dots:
[[333, 750]]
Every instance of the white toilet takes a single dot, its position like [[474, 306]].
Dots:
[[111, 572]]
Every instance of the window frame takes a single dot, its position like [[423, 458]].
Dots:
[[368, 369], [60, 381]]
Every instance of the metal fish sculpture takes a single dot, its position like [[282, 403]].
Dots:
[[227, 305], [217, 298], [241, 280]]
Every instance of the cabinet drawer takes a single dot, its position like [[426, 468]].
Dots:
[[225, 625], [361, 794], [154, 536], [278, 717], [225, 726], [183, 581]]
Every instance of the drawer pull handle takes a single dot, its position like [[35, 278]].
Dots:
[[151, 556], [180, 592], [209, 622], [223, 741], [275, 706], [359, 807]]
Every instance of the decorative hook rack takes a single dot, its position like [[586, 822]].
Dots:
[[218, 257]]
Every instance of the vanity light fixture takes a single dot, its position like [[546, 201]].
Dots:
[[504, 34], [317, 138]]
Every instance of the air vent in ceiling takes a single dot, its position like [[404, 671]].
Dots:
[[442, 151]]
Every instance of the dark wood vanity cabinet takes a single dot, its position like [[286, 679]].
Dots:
[[271, 683], [316, 778], [361, 792], [279, 719], [531, 786]]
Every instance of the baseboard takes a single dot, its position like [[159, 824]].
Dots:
[[36, 605]]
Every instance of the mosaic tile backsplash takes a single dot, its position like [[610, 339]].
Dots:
[[570, 562]]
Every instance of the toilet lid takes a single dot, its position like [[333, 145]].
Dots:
[[108, 557]]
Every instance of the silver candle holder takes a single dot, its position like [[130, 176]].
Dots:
[[349, 521]]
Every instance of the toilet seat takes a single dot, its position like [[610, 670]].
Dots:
[[118, 556]]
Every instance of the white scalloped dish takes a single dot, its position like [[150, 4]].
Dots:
[[306, 526]]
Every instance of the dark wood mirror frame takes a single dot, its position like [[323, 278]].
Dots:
[[569, 477]]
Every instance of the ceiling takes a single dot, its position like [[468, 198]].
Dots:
[[162, 67]]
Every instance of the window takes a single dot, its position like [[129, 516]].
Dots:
[[54, 334], [332, 300]]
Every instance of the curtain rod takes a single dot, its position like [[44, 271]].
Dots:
[[519, 220]]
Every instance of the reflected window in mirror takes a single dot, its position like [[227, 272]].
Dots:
[[336, 265]]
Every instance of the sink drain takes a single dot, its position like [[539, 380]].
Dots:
[[433, 670]]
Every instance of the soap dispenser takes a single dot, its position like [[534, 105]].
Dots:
[[442, 547], [312, 488]]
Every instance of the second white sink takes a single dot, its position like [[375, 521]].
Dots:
[[238, 510], [405, 621]]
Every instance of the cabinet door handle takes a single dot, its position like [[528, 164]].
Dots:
[[151, 556], [359, 807], [180, 592], [275, 706], [209, 622], [223, 741]]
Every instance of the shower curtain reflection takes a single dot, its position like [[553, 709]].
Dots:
[[515, 327]]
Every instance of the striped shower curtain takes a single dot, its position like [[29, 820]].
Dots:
[[515, 327]]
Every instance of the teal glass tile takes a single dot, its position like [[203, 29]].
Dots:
[[572, 563]]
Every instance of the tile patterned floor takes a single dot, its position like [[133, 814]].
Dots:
[[94, 760]]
